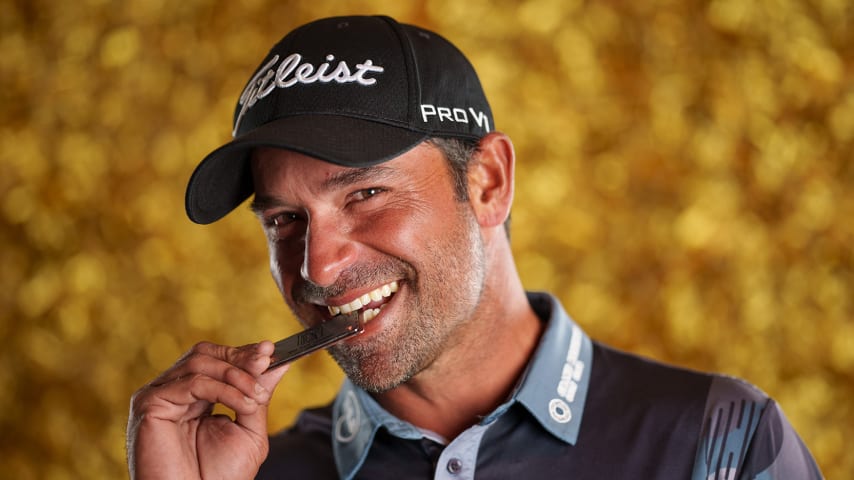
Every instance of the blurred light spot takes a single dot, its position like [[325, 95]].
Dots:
[[85, 275], [537, 270], [40, 292], [578, 60], [543, 16], [202, 309], [695, 228], [120, 47], [685, 316], [842, 347], [80, 41], [74, 320], [44, 348], [19, 204], [594, 303], [816, 60], [611, 173], [729, 15], [842, 119]]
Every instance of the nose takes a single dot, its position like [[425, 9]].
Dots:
[[329, 251]]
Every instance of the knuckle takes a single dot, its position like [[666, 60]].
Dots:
[[233, 374], [196, 379], [137, 399], [194, 363], [142, 401], [202, 347], [215, 350], [233, 354]]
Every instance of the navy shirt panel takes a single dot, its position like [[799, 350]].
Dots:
[[390, 456], [303, 450], [647, 415]]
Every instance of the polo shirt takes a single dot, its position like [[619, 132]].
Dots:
[[581, 410]]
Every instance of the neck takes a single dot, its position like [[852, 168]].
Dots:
[[477, 374]]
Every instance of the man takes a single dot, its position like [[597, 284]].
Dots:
[[384, 189]]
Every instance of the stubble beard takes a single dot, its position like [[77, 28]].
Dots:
[[442, 298]]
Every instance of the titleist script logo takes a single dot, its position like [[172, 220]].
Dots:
[[291, 72]]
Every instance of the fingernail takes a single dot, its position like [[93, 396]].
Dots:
[[259, 389]]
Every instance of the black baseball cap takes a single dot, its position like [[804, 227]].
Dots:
[[354, 91]]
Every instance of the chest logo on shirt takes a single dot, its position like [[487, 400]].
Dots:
[[350, 419], [567, 387]]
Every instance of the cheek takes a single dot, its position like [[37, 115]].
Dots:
[[285, 262], [396, 232]]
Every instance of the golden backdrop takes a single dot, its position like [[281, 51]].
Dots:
[[684, 186]]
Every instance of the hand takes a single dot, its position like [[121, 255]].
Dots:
[[172, 432]]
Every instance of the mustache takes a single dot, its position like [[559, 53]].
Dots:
[[355, 277]]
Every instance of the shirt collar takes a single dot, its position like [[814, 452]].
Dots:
[[356, 417], [553, 389]]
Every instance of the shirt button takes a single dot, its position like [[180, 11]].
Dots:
[[455, 465]]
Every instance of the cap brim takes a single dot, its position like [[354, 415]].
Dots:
[[223, 180]]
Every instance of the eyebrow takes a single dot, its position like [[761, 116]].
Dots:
[[341, 179], [356, 175]]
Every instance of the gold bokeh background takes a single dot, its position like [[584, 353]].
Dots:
[[684, 185]]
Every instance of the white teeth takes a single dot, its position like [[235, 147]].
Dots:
[[370, 314], [372, 296]]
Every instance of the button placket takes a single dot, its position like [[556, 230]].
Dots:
[[459, 459]]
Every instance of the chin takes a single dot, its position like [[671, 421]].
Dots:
[[369, 373]]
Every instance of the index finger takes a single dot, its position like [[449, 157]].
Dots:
[[252, 359]]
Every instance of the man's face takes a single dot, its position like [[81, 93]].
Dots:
[[393, 236]]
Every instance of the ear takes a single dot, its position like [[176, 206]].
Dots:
[[490, 179]]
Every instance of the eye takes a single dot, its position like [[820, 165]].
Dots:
[[366, 193], [282, 220]]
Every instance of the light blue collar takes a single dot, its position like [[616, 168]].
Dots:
[[553, 389]]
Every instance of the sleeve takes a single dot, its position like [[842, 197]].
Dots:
[[745, 436], [776, 451]]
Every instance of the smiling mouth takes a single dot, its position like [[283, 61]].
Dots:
[[368, 304]]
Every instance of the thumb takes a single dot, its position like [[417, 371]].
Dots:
[[269, 379]]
